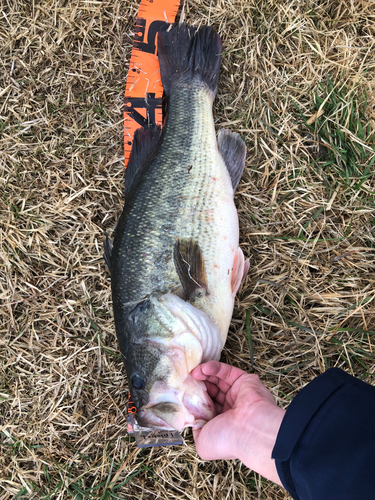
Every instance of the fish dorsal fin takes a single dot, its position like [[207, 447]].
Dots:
[[107, 245], [189, 263], [145, 147], [233, 151]]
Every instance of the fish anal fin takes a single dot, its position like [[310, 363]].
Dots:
[[189, 263], [239, 270], [145, 147], [233, 151], [107, 245]]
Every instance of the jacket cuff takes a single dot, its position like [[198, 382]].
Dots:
[[299, 415]]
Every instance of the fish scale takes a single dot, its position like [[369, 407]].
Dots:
[[157, 205], [175, 263]]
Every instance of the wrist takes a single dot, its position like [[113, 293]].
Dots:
[[257, 435]]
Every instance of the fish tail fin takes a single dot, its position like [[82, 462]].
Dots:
[[189, 55]]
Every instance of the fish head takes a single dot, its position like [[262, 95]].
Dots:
[[166, 338]]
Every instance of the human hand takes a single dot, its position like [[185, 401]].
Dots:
[[248, 419]]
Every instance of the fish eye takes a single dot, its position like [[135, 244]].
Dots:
[[137, 382]]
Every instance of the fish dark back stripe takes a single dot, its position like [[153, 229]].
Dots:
[[163, 208]]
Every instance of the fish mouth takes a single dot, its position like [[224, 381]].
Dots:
[[176, 400], [147, 418], [190, 406]]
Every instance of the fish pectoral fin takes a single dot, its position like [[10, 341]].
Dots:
[[189, 263], [107, 245], [233, 151], [145, 147], [239, 270]]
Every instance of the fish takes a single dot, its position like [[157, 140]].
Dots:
[[175, 261]]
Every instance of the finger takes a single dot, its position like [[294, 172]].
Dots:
[[215, 392], [226, 406], [206, 370], [219, 408], [225, 373], [212, 389], [198, 374], [223, 386], [219, 397], [196, 433], [211, 441]]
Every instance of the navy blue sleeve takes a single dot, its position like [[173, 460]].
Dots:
[[325, 448]]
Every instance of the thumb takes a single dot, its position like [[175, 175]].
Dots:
[[212, 441], [196, 434], [203, 443]]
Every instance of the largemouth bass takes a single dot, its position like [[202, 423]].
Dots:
[[175, 263]]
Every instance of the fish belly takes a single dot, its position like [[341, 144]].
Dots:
[[209, 215]]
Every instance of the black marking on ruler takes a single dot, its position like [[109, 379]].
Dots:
[[151, 103], [150, 45]]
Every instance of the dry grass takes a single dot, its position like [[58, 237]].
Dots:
[[307, 224]]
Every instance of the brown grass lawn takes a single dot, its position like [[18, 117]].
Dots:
[[298, 83]]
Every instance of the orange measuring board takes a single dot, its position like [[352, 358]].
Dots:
[[132, 410], [144, 90], [131, 405]]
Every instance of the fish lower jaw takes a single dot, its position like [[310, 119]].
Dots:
[[199, 405], [188, 406], [152, 421], [158, 423], [149, 420]]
